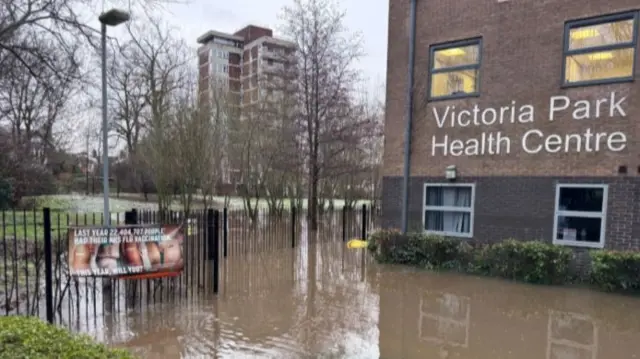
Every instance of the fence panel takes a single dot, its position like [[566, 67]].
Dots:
[[28, 276]]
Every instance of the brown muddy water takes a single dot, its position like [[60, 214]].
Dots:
[[322, 300]]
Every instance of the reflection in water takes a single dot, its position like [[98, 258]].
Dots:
[[444, 318], [571, 335], [471, 317], [316, 301]]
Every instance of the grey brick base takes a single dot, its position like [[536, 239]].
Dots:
[[522, 207]]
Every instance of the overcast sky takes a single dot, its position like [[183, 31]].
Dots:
[[192, 18]]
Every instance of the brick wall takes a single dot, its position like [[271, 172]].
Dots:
[[252, 32], [522, 59], [522, 207], [522, 52]]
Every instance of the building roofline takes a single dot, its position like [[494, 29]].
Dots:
[[279, 41], [272, 40], [211, 34], [256, 25]]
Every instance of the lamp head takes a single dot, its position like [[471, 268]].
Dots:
[[114, 17], [450, 173]]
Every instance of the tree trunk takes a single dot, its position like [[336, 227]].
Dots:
[[313, 197]]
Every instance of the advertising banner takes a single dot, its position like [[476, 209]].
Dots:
[[131, 250]]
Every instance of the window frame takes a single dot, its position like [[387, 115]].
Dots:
[[432, 70], [591, 21], [470, 209], [581, 214]]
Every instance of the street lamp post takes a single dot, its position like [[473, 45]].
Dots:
[[113, 17]]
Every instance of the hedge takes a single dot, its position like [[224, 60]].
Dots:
[[28, 337], [616, 271], [527, 261], [531, 262]]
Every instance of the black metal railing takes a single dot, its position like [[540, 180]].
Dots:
[[34, 271]]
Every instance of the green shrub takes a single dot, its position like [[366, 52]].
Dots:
[[532, 262], [433, 252], [616, 271], [25, 337]]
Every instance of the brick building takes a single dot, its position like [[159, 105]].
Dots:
[[525, 120], [243, 68]]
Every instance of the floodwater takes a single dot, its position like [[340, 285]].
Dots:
[[322, 300]]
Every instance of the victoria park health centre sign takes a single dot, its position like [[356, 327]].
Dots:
[[535, 140]]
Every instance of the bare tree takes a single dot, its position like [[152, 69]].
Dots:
[[218, 107], [375, 149], [197, 143], [358, 167], [161, 61], [126, 109], [41, 43], [32, 104], [56, 21], [346, 176], [190, 133], [248, 137], [326, 54], [127, 104], [265, 144], [32, 109], [276, 110]]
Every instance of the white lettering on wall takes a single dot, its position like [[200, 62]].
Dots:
[[485, 144], [534, 140], [584, 110], [487, 117]]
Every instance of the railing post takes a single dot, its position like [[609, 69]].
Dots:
[[213, 239], [344, 223], [225, 231], [216, 250], [131, 217], [48, 264], [293, 227], [209, 232], [364, 222]]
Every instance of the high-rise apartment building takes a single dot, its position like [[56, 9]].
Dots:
[[241, 69]]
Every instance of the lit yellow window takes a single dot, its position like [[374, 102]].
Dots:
[[454, 69], [601, 50]]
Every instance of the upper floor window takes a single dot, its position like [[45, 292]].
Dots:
[[455, 69], [600, 50], [218, 68], [223, 54]]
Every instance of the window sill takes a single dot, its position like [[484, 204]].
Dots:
[[597, 82], [450, 234], [453, 97], [577, 244]]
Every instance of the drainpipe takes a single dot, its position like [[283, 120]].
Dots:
[[409, 124]]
